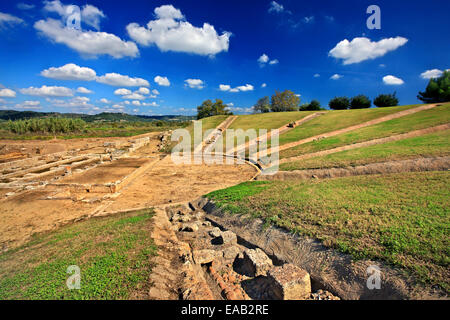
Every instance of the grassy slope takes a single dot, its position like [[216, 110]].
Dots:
[[335, 120], [420, 120], [402, 219], [267, 121], [273, 120], [112, 253], [432, 144]]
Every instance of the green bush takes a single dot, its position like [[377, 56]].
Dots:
[[46, 125], [339, 103], [313, 106], [386, 100], [360, 102]]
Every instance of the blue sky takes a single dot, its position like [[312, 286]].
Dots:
[[167, 57]]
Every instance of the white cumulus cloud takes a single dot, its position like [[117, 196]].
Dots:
[[118, 80], [361, 49], [264, 59], [194, 83], [70, 71], [84, 90], [162, 81], [87, 43], [134, 96], [48, 91], [247, 87], [122, 92], [393, 81], [90, 14], [143, 91], [7, 93], [434, 73], [171, 32]]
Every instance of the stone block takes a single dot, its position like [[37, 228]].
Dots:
[[256, 263], [289, 282]]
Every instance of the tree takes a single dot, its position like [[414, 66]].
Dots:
[[339, 103], [263, 105], [209, 109], [360, 102], [386, 100], [285, 101], [438, 90], [313, 106]]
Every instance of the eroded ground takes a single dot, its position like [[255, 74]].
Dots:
[[139, 177]]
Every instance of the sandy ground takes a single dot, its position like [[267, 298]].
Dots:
[[165, 182]]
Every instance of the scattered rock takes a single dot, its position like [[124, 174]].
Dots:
[[189, 227], [205, 256], [289, 282], [226, 237], [230, 254], [256, 263], [216, 232], [323, 295]]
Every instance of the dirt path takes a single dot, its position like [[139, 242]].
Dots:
[[351, 128], [369, 143], [412, 165], [213, 136], [281, 130]]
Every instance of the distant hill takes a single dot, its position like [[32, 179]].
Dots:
[[20, 115]]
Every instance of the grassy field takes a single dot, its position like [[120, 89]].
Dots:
[[432, 144], [112, 253], [402, 219], [335, 120], [420, 120]]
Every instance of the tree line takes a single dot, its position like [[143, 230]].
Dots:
[[438, 90]]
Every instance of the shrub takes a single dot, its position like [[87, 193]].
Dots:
[[360, 102], [339, 103], [386, 100], [313, 106]]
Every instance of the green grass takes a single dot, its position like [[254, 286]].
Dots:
[[432, 144], [266, 121], [402, 219], [424, 119], [335, 120], [272, 120], [112, 253]]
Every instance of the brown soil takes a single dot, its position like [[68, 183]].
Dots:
[[167, 182], [107, 173]]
